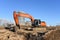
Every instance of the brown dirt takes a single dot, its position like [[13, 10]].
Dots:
[[57, 35], [8, 35], [53, 35]]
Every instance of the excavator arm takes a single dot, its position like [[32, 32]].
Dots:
[[21, 15]]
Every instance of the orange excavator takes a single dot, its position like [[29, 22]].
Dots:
[[36, 28], [34, 22]]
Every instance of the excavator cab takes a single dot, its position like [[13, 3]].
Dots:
[[36, 22]]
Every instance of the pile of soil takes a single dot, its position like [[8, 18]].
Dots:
[[57, 35], [8, 35], [53, 35]]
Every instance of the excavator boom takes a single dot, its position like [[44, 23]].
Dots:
[[21, 15]]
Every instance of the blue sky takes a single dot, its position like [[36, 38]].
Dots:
[[46, 10]]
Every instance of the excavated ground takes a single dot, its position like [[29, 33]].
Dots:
[[57, 35], [8, 35], [53, 34]]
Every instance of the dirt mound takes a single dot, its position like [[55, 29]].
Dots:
[[52, 35], [9, 35], [57, 35]]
